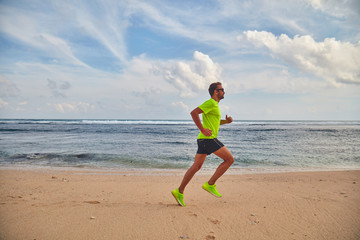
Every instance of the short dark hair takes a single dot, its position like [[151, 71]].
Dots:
[[212, 87]]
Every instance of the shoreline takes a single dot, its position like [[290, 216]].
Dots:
[[87, 205], [173, 172]]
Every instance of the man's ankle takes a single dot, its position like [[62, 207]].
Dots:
[[210, 183]]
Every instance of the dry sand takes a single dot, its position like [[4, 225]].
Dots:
[[46, 204]]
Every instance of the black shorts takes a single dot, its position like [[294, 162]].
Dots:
[[208, 146]]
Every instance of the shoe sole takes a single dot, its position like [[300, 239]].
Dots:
[[211, 193], [177, 200]]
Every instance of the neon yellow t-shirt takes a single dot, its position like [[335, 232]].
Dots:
[[211, 117]]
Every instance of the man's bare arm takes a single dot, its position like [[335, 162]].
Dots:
[[226, 121], [195, 116]]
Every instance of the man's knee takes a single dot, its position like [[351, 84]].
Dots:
[[230, 160], [196, 167]]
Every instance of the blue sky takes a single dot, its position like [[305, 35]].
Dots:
[[287, 60]]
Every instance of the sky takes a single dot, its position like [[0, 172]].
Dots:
[[154, 59]]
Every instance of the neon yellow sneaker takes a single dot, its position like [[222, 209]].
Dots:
[[211, 189], [179, 197]]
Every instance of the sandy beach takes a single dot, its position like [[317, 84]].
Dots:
[[59, 204]]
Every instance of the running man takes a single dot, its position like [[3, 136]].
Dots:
[[208, 142]]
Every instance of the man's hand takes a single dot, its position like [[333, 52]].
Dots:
[[226, 121], [206, 132], [229, 119]]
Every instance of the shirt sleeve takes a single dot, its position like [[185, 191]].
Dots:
[[207, 106]]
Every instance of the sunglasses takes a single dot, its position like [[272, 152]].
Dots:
[[221, 89]]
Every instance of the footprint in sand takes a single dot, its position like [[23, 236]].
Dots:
[[192, 214], [92, 202], [210, 237], [214, 221]]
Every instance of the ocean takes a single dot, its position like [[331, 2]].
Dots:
[[171, 144]]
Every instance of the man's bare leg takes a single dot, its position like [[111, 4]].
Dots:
[[198, 162], [228, 158]]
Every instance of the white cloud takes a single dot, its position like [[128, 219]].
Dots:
[[191, 77], [3, 104], [19, 25], [7, 88], [275, 81], [336, 61], [22, 103], [336, 8], [79, 107], [109, 31], [61, 47], [31, 29], [185, 108], [225, 109]]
